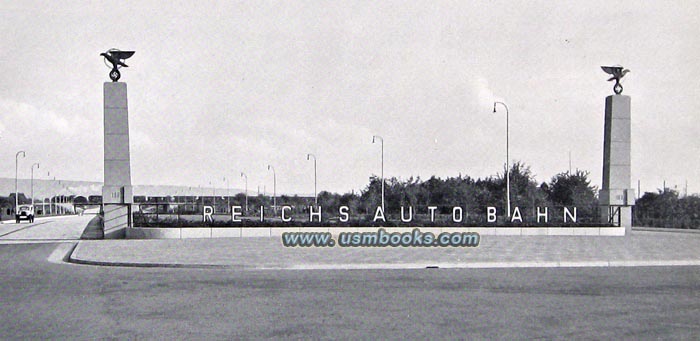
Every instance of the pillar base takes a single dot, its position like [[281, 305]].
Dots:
[[117, 218], [618, 216]]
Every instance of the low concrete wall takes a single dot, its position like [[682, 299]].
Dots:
[[238, 232], [225, 232], [115, 233], [153, 233]]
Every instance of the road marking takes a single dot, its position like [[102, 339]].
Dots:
[[26, 227], [36, 241]]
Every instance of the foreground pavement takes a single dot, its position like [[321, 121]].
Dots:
[[642, 248], [58, 300], [44, 300]]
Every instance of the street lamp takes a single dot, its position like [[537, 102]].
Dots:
[[58, 198], [315, 191], [507, 157], [228, 195], [48, 174], [32, 184], [246, 191], [200, 192], [16, 163], [382, 140], [274, 188], [213, 194]]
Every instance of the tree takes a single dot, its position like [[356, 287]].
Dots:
[[568, 189], [657, 209], [524, 191], [371, 196]]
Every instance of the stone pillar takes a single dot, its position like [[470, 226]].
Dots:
[[617, 196], [117, 191]]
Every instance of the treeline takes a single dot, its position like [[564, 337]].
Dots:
[[472, 195], [666, 209]]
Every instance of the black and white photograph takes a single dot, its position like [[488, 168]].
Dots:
[[217, 170]]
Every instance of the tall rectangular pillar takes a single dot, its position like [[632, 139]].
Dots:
[[117, 191], [617, 196]]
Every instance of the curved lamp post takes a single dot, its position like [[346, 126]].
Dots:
[[200, 192], [507, 157], [48, 174], [246, 191], [274, 188], [32, 184], [382, 174], [315, 191], [50, 186], [228, 195], [16, 166]]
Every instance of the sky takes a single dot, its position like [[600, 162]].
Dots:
[[216, 89]]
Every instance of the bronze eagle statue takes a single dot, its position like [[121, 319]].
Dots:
[[116, 58], [617, 73]]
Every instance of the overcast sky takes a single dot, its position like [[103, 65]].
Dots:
[[218, 89]]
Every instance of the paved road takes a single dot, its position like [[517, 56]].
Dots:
[[51, 299], [45, 229], [48, 300]]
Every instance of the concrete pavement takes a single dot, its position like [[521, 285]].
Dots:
[[645, 247], [642, 248], [45, 300], [44, 229], [42, 300]]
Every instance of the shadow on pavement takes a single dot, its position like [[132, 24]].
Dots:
[[94, 229]]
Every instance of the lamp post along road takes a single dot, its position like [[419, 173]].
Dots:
[[228, 195], [16, 167], [246, 191], [507, 156], [274, 188], [213, 194], [51, 209], [32, 185], [57, 201], [48, 174], [315, 191], [382, 174], [200, 192]]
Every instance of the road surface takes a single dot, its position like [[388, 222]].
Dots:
[[56, 228], [43, 299]]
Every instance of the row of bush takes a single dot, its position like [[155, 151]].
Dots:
[[668, 210], [567, 189], [472, 195]]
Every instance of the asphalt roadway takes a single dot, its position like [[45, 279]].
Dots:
[[51, 299]]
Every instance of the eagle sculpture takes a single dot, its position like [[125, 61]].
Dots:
[[617, 73], [116, 58]]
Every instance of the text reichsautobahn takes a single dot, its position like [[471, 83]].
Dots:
[[407, 215]]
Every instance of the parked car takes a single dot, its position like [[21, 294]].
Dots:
[[25, 212]]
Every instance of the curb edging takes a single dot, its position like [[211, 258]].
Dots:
[[69, 258]]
